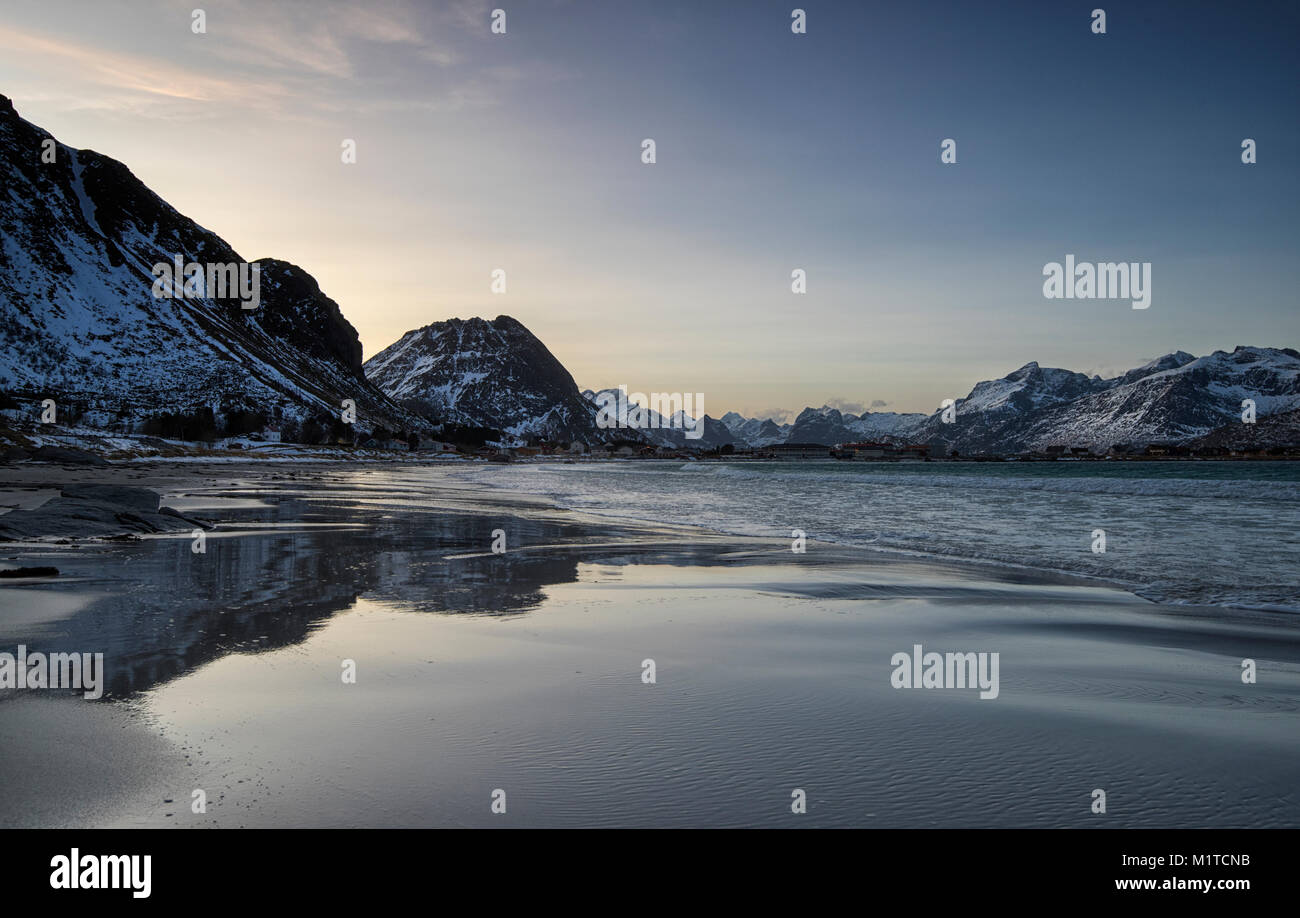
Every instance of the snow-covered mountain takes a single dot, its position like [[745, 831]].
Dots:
[[79, 321], [1276, 430], [829, 426], [825, 425], [755, 432], [1174, 399], [670, 432], [488, 374]]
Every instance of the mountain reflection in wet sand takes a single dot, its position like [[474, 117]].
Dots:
[[522, 671]]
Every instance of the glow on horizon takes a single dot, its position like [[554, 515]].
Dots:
[[774, 152]]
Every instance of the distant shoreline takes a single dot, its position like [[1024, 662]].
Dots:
[[96, 448]]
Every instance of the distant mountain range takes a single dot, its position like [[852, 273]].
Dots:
[[1175, 399], [1178, 399], [80, 323]]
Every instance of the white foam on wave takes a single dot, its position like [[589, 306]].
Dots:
[[1189, 541], [1213, 488]]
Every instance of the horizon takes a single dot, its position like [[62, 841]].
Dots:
[[922, 278]]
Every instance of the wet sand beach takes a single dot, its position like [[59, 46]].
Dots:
[[525, 672]]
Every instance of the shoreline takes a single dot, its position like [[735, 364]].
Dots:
[[159, 473], [1136, 589], [93, 446], [509, 661]]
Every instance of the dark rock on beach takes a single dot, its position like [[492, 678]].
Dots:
[[16, 572], [95, 511], [67, 456]]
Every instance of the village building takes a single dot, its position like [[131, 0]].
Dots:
[[881, 451]]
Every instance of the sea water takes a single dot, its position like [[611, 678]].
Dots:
[[1199, 533]]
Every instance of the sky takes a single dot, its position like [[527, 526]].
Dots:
[[775, 151]]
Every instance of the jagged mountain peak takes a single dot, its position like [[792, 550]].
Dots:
[[1176, 398], [1172, 361], [502, 323], [1024, 371]]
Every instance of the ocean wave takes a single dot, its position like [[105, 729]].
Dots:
[[1163, 553], [1214, 488]]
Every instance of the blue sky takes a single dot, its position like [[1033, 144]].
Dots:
[[775, 151]]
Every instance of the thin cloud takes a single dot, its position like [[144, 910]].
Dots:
[[130, 73], [296, 58], [317, 39], [846, 407]]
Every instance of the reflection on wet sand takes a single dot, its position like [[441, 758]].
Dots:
[[523, 670], [278, 565]]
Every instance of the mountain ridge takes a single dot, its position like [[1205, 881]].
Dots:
[[488, 373], [1175, 398], [80, 321]]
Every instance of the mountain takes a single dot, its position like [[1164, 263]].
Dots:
[[670, 432], [991, 417], [884, 425], [79, 321], [755, 432], [1174, 399], [1168, 362], [824, 425], [830, 426], [1276, 430], [488, 374]]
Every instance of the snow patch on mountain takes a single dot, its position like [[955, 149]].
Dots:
[[79, 322], [482, 373]]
